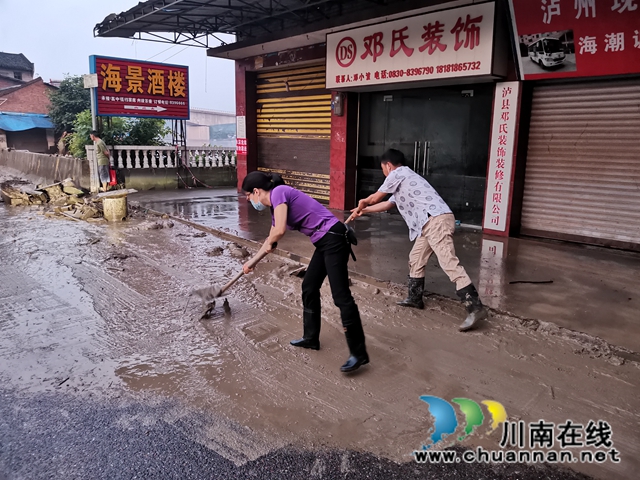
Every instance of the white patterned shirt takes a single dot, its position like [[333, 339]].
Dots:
[[415, 198]]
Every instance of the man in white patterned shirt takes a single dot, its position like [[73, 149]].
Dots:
[[431, 224]]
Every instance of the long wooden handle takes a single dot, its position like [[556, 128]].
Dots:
[[251, 263], [351, 218], [232, 281]]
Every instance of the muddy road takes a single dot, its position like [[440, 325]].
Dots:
[[101, 348]]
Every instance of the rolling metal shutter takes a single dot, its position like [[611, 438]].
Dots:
[[582, 178], [294, 128]]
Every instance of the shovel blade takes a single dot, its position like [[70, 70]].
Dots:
[[207, 294]]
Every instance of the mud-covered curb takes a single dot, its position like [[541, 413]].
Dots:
[[586, 344]]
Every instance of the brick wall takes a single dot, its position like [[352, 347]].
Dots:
[[32, 98]]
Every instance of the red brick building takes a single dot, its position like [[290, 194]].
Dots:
[[26, 98], [29, 97]]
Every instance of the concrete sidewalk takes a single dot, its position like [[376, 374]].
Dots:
[[587, 289]]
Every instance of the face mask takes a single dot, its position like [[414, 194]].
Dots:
[[258, 205]]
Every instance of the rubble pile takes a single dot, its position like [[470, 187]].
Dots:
[[61, 199]]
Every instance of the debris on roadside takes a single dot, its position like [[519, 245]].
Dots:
[[215, 252], [155, 225], [237, 251], [13, 196], [60, 199], [119, 256], [69, 188]]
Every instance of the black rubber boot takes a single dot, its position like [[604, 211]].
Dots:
[[355, 341], [311, 336], [475, 309], [416, 290]]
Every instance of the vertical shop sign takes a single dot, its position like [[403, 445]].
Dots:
[[501, 158], [491, 275], [241, 135]]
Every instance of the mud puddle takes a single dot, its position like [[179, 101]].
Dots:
[[113, 317]]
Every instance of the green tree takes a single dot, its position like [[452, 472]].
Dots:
[[145, 131], [117, 131], [67, 102]]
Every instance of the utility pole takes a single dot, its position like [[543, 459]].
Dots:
[[91, 82]]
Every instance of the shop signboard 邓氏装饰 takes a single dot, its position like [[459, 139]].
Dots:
[[131, 88], [577, 38], [444, 44]]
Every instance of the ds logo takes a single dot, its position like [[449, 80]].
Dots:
[[346, 52]]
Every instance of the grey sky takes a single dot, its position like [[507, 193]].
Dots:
[[57, 36]]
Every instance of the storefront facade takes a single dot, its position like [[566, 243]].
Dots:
[[422, 83], [532, 134], [522, 113], [580, 62]]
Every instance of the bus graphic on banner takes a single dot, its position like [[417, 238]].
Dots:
[[547, 52], [131, 88], [571, 38]]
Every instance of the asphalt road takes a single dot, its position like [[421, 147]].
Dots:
[[62, 436]]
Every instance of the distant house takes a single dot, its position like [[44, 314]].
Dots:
[[15, 66], [9, 82], [24, 120], [210, 127]]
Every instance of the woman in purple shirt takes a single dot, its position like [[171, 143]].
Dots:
[[292, 209]]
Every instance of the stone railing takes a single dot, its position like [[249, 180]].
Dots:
[[146, 157], [139, 156]]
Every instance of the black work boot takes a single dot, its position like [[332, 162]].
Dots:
[[355, 341], [416, 289], [311, 336], [475, 309]]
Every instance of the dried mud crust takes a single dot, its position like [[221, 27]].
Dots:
[[133, 329]]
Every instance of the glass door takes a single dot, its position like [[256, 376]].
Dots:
[[444, 135]]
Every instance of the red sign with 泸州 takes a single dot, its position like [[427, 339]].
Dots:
[[130, 88], [577, 38]]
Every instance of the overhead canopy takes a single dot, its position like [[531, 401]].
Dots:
[[17, 122], [193, 22]]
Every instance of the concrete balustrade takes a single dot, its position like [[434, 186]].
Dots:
[[148, 166], [126, 156]]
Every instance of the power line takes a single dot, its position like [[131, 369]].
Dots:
[[160, 53], [176, 53]]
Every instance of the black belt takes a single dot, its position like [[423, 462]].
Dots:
[[349, 235]]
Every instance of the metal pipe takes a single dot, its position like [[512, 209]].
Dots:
[[427, 146], [94, 120], [415, 155], [425, 167]]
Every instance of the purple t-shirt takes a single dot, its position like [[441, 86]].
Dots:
[[304, 213]]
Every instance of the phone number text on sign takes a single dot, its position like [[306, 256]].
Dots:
[[409, 72], [450, 43]]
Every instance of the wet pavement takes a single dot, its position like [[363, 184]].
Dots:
[[582, 288], [107, 369]]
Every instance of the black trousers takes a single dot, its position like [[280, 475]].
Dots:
[[330, 259]]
